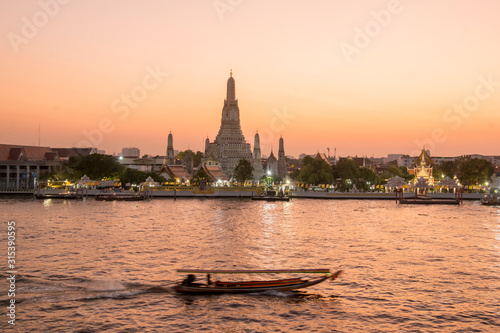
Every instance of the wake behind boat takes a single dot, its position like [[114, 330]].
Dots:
[[188, 286]]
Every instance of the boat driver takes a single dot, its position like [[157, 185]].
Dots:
[[189, 280]]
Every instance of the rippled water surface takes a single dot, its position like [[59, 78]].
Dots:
[[108, 266]]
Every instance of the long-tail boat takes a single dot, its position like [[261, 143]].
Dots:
[[272, 195], [188, 286], [120, 197]]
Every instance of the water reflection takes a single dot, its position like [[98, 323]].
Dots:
[[406, 268]]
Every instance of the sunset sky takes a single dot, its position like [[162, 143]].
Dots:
[[365, 77]]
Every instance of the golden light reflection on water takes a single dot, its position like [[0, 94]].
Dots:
[[268, 239]]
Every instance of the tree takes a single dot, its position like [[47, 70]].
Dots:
[[315, 171], [474, 171], [295, 174], [95, 166], [393, 163], [134, 176], [156, 177], [243, 171], [196, 156], [447, 169], [346, 169], [367, 178], [396, 171]]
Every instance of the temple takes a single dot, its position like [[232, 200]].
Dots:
[[422, 168], [272, 165], [229, 147]]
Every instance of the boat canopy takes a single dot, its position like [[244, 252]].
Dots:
[[254, 271]]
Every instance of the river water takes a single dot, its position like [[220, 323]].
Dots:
[[88, 266]]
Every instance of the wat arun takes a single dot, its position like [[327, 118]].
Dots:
[[230, 146]]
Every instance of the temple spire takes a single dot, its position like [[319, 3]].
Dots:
[[231, 94], [282, 172], [256, 147], [170, 149]]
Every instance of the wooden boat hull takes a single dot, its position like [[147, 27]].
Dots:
[[56, 196], [252, 286], [271, 198], [491, 203], [119, 198], [430, 201], [491, 200]]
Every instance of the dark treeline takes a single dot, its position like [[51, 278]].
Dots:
[[347, 173]]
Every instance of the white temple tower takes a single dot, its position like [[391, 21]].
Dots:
[[258, 170], [170, 150], [229, 147], [282, 172]]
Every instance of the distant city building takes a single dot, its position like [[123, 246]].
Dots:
[[229, 147], [131, 152], [443, 159], [494, 159], [392, 157], [379, 160], [405, 161]]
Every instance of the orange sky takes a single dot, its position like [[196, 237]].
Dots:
[[364, 77]]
